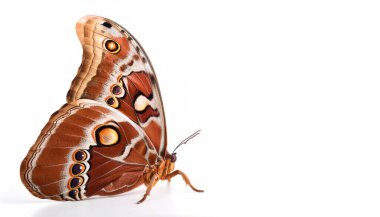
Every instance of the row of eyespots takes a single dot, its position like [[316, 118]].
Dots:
[[116, 89], [114, 48], [117, 92], [112, 100], [75, 171]]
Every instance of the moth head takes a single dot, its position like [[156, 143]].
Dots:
[[170, 160], [173, 159]]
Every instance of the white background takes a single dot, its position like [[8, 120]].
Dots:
[[286, 93]]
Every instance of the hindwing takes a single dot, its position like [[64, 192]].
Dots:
[[87, 149]]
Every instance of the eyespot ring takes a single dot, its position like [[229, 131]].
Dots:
[[74, 194], [117, 90], [107, 135], [75, 182], [112, 101], [111, 46], [79, 155], [77, 169]]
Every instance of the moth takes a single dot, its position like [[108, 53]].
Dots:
[[110, 136]]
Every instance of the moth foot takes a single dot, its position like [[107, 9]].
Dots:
[[196, 190], [142, 200]]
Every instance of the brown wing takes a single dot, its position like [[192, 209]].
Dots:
[[116, 71], [87, 149]]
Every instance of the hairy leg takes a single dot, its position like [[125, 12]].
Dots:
[[184, 177], [153, 181]]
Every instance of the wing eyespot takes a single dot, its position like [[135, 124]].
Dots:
[[77, 169], [112, 46], [112, 101], [117, 90], [107, 135], [74, 194], [75, 182], [79, 155]]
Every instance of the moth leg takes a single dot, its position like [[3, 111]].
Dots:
[[169, 179], [184, 177], [153, 181]]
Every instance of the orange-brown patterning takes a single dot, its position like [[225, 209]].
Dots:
[[110, 136]]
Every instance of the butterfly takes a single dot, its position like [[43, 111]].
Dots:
[[110, 136]]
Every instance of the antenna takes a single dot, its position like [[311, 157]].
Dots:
[[187, 139]]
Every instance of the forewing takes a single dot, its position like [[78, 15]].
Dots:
[[87, 149], [116, 71]]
